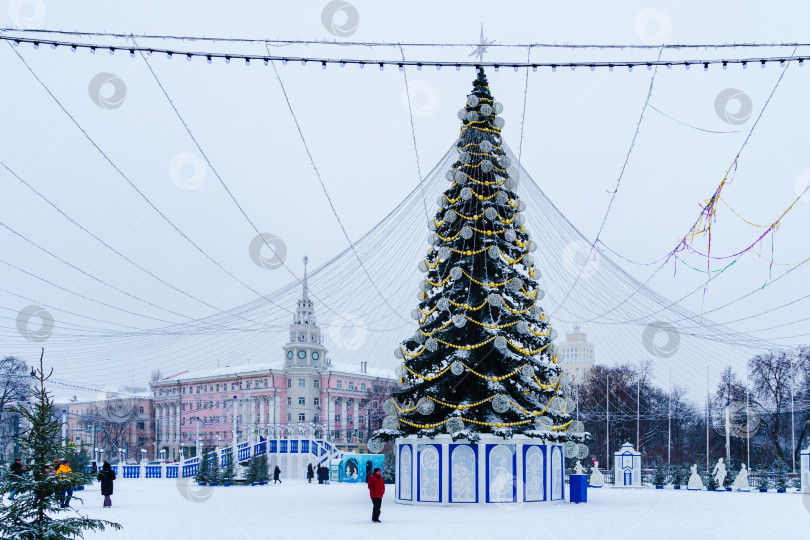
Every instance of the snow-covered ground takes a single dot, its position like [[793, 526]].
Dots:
[[162, 508]]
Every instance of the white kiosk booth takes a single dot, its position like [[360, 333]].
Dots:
[[627, 467]]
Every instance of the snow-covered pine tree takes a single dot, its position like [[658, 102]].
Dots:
[[252, 471], [660, 476], [389, 469], [34, 514], [226, 472], [482, 359], [263, 473], [780, 475], [763, 480]]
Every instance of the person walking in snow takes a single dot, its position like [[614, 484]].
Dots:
[[16, 470], [376, 490], [65, 493], [106, 476], [310, 473], [276, 475]]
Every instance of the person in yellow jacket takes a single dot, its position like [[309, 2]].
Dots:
[[62, 468]]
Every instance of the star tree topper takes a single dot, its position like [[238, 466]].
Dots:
[[482, 46]]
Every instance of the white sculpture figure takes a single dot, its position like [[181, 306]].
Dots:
[[578, 468], [741, 481], [719, 474], [597, 479], [694, 480]]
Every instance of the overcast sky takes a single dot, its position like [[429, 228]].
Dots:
[[577, 131]]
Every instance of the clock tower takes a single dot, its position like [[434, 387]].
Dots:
[[305, 348]]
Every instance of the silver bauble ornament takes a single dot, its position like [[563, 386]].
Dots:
[[375, 446], [444, 253], [443, 304], [510, 235], [498, 122], [425, 406], [515, 284], [419, 337], [449, 176], [522, 327], [543, 423], [497, 107], [389, 408], [495, 300], [400, 371], [472, 116], [532, 247], [485, 146], [454, 425], [455, 273], [466, 193], [466, 233], [527, 371], [462, 114], [472, 100], [390, 422], [521, 206], [449, 216], [570, 449], [500, 404], [493, 252], [501, 197], [500, 343], [540, 295], [552, 335], [398, 353], [456, 368], [490, 213], [464, 157], [504, 161], [582, 451], [460, 177], [486, 109], [459, 321], [431, 345], [528, 260], [576, 427], [422, 266], [486, 165]]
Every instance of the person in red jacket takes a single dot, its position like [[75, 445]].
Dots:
[[376, 489]]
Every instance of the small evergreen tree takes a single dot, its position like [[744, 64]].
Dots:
[[34, 514], [681, 475], [226, 472], [780, 475], [204, 467], [732, 465], [79, 461], [254, 468], [263, 473], [660, 477], [389, 466], [763, 482]]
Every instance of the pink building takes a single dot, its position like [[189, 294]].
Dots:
[[116, 425], [303, 390]]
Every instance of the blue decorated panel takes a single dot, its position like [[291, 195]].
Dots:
[[463, 473], [429, 473], [405, 473], [501, 473], [557, 471], [534, 472]]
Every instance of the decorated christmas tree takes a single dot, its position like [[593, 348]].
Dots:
[[482, 359]]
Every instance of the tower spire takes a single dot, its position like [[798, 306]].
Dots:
[[305, 296]]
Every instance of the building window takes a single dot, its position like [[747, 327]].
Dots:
[[362, 387], [140, 410], [316, 383], [289, 383], [337, 417], [140, 425], [316, 418], [339, 384], [289, 401], [248, 384], [351, 385], [373, 404], [289, 417], [302, 417], [337, 402], [316, 401], [266, 383], [302, 401], [302, 383]]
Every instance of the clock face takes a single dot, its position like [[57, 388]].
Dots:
[[316, 355], [302, 354], [289, 355]]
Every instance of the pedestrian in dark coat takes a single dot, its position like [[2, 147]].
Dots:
[[310, 473], [376, 489], [106, 476], [276, 475], [16, 469]]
